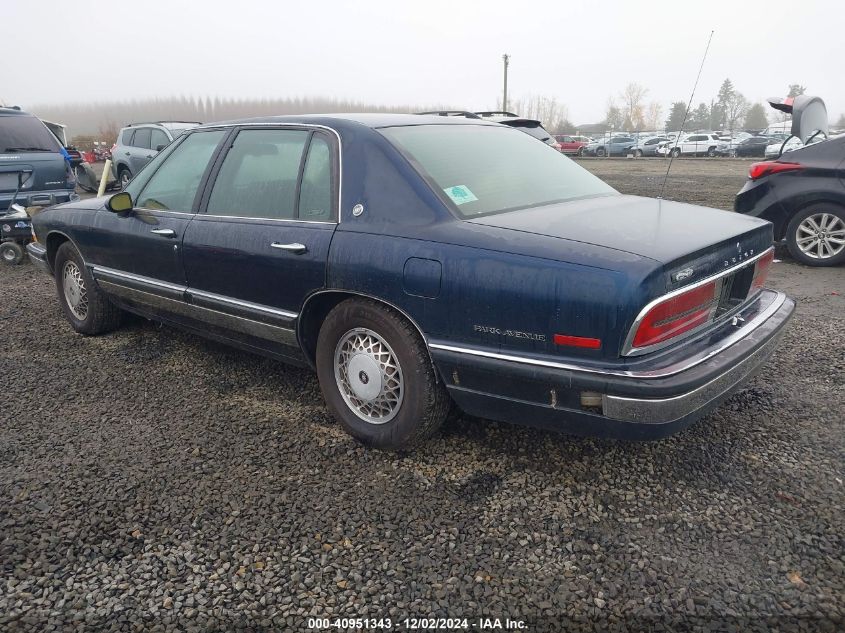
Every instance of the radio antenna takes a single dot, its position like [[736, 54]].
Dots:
[[686, 114]]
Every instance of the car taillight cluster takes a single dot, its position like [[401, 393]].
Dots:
[[758, 170], [761, 270], [676, 315]]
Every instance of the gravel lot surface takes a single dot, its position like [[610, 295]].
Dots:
[[152, 480]]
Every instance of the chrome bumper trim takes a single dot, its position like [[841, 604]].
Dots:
[[663, 410], [740, 333], [38, 256]]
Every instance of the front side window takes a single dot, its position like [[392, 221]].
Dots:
[[173, 186], [483, 169], [259, 175], [158, 139]]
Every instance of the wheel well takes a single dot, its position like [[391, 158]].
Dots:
[[54, 240], [317, 308]]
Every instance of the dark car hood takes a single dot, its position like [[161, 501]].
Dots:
[[662, 230]]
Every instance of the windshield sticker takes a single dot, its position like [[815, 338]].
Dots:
[[460, 194]]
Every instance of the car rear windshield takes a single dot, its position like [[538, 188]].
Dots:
[[484, 169], [19, 133]]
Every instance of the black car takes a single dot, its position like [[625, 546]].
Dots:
[[752, 146], [803, 194]]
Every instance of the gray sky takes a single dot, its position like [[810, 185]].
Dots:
[[422, 52]]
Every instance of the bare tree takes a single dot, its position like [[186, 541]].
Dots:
[[632, 99], [108, 131], [654, 116], [553, 115], [735, 108]]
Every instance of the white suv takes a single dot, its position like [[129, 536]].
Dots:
[[691, 145]]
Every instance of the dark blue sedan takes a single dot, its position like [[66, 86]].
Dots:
[[419, 261]]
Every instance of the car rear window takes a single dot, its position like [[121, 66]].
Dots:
[[21, 133], [484, 169]]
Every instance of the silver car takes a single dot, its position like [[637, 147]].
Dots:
[[137, 143], [647, 146]]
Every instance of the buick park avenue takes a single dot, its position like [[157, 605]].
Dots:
[[415, 262]]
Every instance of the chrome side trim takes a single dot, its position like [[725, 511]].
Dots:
[[148, 281], [664, 410], [258, 307], [251, 327], [671, 370], [628, 348]]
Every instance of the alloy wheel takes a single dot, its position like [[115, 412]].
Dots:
[[821, 235], [73, 285], [368, 375]]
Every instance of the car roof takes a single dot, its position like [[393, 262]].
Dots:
[[372, 120], [14, 111]]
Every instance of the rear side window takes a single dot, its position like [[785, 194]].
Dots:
[[315, 197], [142, 138], [259, 175], [174, 185]]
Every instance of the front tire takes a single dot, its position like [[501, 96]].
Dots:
[[675, 152], [377, 378], [87, 309], [11, 253], [711, 152], [816, 235], [123, 177], [638, 153], [600, 152]]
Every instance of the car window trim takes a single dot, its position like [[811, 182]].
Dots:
[[337, 169]]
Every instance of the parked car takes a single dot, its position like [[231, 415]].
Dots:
[[572, 144], [773, 150], [752, 146], [803, 195], [647, 146], [137, 143], [531, 127], [416, 261], [690, 145], [33, 167], [728, 143], [613, 146]]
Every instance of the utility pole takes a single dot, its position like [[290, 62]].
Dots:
[[505, 58]]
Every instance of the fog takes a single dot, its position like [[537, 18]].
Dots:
[[402, 54]]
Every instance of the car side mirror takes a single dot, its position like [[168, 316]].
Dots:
[[119, 202], [160, 147]]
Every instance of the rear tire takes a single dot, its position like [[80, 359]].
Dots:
[[377, 378], [11, 253], [816, 235], [600, 152], [711, 152], [676, 152], [638, 153], [86, 307]]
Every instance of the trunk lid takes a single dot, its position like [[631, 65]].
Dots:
[[692, 242]]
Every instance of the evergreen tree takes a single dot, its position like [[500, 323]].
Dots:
[[676, 116], [756, 118]]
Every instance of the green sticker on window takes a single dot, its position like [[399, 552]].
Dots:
[[460, 194]]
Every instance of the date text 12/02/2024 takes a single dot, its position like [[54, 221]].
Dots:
[[419, 624]]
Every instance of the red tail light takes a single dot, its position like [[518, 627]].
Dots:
[[676, 315], [758, 170], [761, 270]]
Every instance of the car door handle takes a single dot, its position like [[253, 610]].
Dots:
[[164, 232], [127, 153], [293, 247]]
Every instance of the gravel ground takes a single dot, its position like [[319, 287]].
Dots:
[[152, 480]]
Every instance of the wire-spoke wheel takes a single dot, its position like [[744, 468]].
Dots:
[[88, 310], [377, 376], [816, 236], [368, 375], [74, 288]]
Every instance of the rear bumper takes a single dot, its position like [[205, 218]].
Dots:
[[38, 198], [655, 399], [38, 256]]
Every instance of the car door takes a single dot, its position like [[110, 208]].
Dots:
[[260, 244], [139, 252]]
